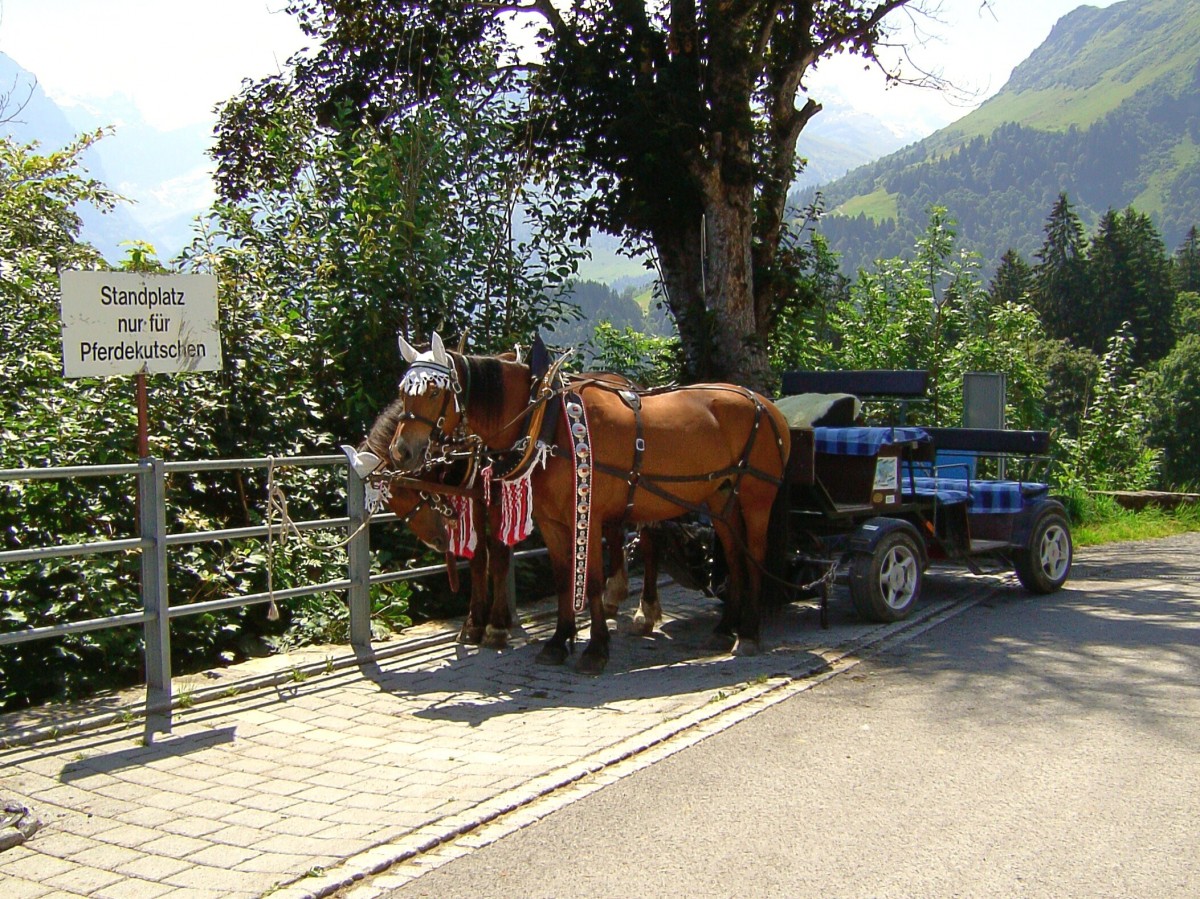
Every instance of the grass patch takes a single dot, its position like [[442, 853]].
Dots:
[[1099, 519], [878, 206]]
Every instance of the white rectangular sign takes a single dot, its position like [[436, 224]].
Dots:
[[122, 323]]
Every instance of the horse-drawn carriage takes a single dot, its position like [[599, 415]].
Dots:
[[791, 503], [880, 504]]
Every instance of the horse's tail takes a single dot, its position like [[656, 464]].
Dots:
[[775, 584]]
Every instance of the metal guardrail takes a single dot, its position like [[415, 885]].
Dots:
[[154, 541]]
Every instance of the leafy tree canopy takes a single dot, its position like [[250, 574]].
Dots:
[[676, 122]]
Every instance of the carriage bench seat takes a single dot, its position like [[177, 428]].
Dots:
[[855, 466], [991, 441], [957, 450], [898, 387], [985, 497]]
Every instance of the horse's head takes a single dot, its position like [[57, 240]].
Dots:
[[429, 407], [425, 516]]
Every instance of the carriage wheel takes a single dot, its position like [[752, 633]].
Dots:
[[885, 583], [1043, 564]]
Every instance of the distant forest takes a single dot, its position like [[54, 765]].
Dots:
[[598, 303]]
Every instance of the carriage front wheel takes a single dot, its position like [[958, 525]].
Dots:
[[1044, 562], [886, 582]]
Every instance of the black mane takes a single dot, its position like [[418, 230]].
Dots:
[[482, 379]]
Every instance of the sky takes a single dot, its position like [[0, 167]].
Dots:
[[177, 59]]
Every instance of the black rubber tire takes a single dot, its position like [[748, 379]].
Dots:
[[1044, 564], [886, 583]]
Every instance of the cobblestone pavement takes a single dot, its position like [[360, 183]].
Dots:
[[302, 775]]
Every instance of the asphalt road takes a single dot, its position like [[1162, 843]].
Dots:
[[1031, 747]]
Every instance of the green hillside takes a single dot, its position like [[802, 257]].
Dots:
[[1107, 109]]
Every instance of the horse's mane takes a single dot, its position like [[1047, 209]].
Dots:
[[482, 379], [380, 435]]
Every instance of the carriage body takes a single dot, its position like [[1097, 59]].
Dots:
[[875, 506]]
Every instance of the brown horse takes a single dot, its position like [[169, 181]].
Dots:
[[430, 517], [715, 449]]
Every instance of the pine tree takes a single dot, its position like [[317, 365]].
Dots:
[[1187, 263], [1013, 281], [1129, 266], [1061, 293], [1108, 266]]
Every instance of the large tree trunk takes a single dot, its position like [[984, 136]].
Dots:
[[680, 252], [708, 265], [737, 340], [707, 272]]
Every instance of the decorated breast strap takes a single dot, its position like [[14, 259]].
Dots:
[[581, 454]]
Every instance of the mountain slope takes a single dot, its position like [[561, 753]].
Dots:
[[41, 120], [1107, 109]]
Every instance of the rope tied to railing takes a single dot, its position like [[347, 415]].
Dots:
[[277, 507]]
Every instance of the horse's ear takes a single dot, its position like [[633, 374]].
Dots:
[[406, 350], [462, 342], [439, 350], [539, 357]]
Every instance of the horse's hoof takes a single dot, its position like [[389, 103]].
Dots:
[[744, 647], [592, 663], [720, 642], [642, 626], [472, 636], [495, 638], [616, 591], [551, 655], [611, 612]]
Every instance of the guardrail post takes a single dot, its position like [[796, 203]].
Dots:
[[359, 552], [155, 600]]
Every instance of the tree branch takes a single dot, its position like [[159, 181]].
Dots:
[[543, 8], [7, 114]]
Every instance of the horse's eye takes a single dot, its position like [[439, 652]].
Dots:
[[434, 391]]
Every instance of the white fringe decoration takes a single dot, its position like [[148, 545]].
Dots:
[[422, 375]]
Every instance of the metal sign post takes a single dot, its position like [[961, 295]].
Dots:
[[131, 323]]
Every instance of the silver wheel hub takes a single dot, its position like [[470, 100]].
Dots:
[[898, 577], [1054, 554]]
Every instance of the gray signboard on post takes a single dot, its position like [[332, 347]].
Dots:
[[124, 323]]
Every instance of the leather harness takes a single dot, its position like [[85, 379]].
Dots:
[[541, 418]]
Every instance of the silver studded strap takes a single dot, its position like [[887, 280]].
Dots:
[[581, 440]]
